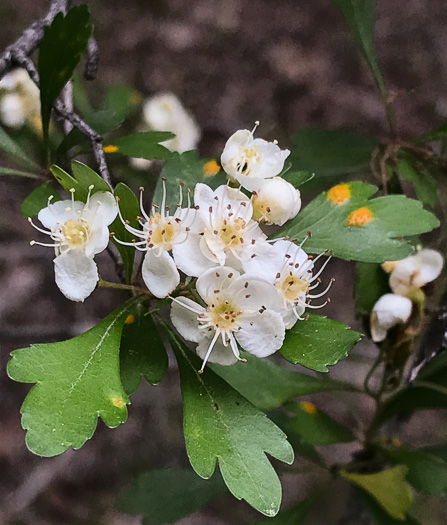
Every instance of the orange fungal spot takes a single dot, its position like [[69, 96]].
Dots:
[[308, 407], [360, 217], [130, 319], [111, 148], [339, 194], [396, 442], [210, 168], [117, 401]]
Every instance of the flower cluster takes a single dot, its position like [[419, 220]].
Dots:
[[19, 100], [407, 278]]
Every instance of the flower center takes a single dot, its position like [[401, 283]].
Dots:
[[76, 232], [246, 157], [224, 315], [163, 232], [230, 233], [293, 287]]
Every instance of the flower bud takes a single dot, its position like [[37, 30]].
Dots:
[[389, 311], [276, 201]]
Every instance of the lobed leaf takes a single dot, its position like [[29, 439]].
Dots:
[[144, 145], [293, 516], [122, 99], [14, 151], [380, 516], [39, 199], [423, 182]]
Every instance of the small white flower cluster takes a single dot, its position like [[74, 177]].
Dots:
[[19, 100], [407, 277]]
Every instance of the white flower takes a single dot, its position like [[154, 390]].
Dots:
[[229, 235], [165, 112], [161, 234], [390, 310], [276, 201], [416, 271], [238, 309], [21, 102], [289, 268], [250, 160], [79, 231]]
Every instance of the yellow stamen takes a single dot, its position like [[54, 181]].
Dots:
[[339, 194], [360, 217]]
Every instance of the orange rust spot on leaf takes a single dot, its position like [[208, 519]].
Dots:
[[308, 407], [130, 319], [339, 194], [360, 217], [117, 401], [110, 148], [210, 168]]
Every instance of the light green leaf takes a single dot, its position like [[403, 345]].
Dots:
[[38, 199], [122, 99], [130, 209], [370, 284], [318, 342], [267, 384], [426, 472], [368, 235], [220, 424], [293, 516], [298, 178], [166, 496], [77, 380], [315, 426], [145, 145], [387, 487], [435, 134], [331, 154], [185, 167], [60, 50], [19, 173], [142, 352], [360, 16], [381, 517], [14, 151], [423, 182]]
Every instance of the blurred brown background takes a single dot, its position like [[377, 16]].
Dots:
[[289, 64]]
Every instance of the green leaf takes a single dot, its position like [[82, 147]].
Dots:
[[142, 352], [145, 145], [166, 496], [435, 371], [122, 99], [315, 426], [387, 487], [318, 342], [14, 151], [360, 16], [390, 217], [11, 171], [293, 516], [330, 153], [381, 517], [130, 209], [77, 380], [84, 177], [435, 134], [185, 167], [298, 178], [423, 182], [267, 384], [38, 199], [101, 121], [220, 424], [426, 472], [60, 50], [370, 284]]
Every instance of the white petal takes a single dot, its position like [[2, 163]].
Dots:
[[98, 241], [400, 278], [220, 354], [102, 207], [60, 211], [231, 156], [430, 263], [262, 334], [185, 321], [289, 316], [215, 279], [76, 274], [276, 201], [389, 311], [191, 219], [11, 110], [189, 257], [257, 293], [265, 264], [203, 197], [212, 248], [160, 273]]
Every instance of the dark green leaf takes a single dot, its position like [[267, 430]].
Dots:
[[360, 16], [293, 516], [142, 352], [268, 385], [84, 177], [77, 380], [298, 178], [186, 167], [435, 371], [122, 99], [387, 487], [130, 209], [166, 496], [370, 284], [315, 426], [60, 50], [220, 424], [423, 182], [381, 517], [330, 153], [435, 134], [80, 99], [318, 342], [101, 121], [145, 145], [11, 171], [38, 199], [334, 227], [14, 151]]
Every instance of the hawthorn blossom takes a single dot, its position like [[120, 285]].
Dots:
[[250, 161], [79, 231], [228, 236], [239, 309], [20, 101], [288, 267], [161, 234], [276, 201], [389, 311], [416, 271], [165, 112]]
